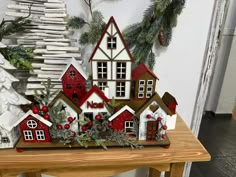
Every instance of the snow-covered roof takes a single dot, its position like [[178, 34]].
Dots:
[[8, 119], [4, 63], [77, 66], [2, 45], [126, 107], [40, 118]]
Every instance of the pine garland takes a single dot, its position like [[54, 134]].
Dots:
[[161, 15]]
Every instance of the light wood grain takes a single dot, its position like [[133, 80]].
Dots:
[[154, 173], [176, 170], [184, 148]]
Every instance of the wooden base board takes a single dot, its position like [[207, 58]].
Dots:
[[54, 144]]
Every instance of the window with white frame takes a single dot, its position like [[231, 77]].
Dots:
[[102, 70], [40, 135], [28, 135], [149, 88], [31, 123], [120, 70], [120, 89], [102, 85], [129, 127], [141, 87], [111, 42]]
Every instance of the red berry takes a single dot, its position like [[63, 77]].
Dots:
[[159, 119], [70, 119], [73, 133], [110, 124], [67, 126], [84, 128], [45, 109], [164, 127], [35, 110], [46, 116], [163, 136], [59, 127], [98, 117], [149, 116], [90, 124]]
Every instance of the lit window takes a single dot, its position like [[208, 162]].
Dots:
[[129, 127], [32, 124], [72, 73], [121, 70], [120, 89], [111, 42], [102, 85], [102, 70], [40, 135], [28, 135], [140, 95]]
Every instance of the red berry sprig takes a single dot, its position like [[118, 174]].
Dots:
[[164, 127], [98, 117], [45, 109], [83, 128], [70, 119], [159, 119], [59, 127], [67, 126], [35, 110], [73, 133], [46, 116], [149, 116], [90, 124]]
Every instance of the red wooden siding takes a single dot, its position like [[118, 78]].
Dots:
[[119, 122], [77, 84], [40, 126]]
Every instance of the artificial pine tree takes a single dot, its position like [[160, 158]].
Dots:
[[157, 24]]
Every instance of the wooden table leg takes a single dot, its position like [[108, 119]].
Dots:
[[154, 173], [176, 170]]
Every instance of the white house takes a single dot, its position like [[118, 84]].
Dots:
[[111, 63]]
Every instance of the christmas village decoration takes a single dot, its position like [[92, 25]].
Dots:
[[114, 105]]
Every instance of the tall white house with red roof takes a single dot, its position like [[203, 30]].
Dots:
[[111, 63]]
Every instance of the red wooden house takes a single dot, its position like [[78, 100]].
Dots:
[[74, 81], [123, 120], [144, 82], [170, 102], [34, 128]]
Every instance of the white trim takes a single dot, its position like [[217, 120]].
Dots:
[[130, 127], [28, 135], [41, 119], [120, 111], [32, 124], [40, 135]]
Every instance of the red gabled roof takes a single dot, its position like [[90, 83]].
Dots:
[[96, 90], [111, 20], [140, 70]]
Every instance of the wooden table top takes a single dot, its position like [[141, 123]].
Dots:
[[184, 147]]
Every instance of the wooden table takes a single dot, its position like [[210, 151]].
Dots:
[[99, 163]]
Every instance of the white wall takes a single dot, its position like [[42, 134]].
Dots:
[[227, 96]]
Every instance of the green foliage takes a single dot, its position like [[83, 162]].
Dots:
[[43, 97], [161, 15], [8, 27], [18, 56], [95, 26], [76, 22]]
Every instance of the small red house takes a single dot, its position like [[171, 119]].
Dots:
[[74, 81], [170, 102], [34, 128], [123, 120]]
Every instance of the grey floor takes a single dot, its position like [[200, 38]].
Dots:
[[218, 135]]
